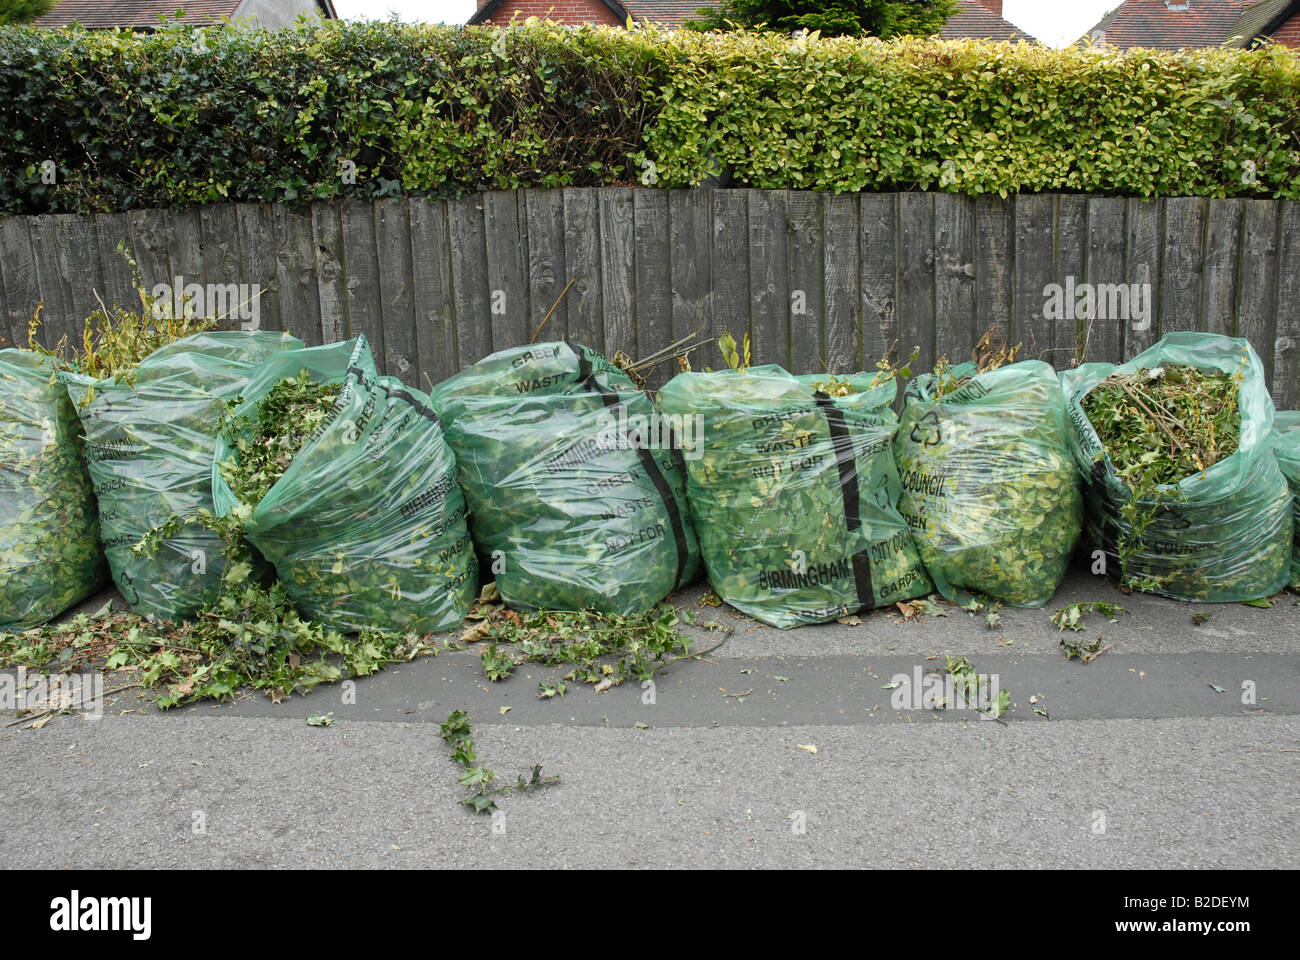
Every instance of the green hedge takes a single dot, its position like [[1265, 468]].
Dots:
[[186, 116]]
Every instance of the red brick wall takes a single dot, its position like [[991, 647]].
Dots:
[[1289, 32], [565, 11]]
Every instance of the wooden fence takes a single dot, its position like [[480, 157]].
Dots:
[[814, 277]]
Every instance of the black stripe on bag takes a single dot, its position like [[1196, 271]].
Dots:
[[847, 462], [611, 399]]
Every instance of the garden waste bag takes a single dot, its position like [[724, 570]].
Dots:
[[575, 499], [366, 525], [990, 489], [794, 493], [1222, 534], [1286, 445], [50, 556], [150, 438]]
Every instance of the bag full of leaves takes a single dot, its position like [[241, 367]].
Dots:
[[794, 492], [990, 490], [343, 480], [151, 429], [50, 556], [1184, 496], [577, 497], [1286, 447]]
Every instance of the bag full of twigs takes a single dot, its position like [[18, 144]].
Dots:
[[575, 485], [343, 480], [1184, 496], [1286, 446], [794, 491], [990, 489], [50, 556]]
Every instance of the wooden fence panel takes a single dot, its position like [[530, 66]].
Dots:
[[814, 278]]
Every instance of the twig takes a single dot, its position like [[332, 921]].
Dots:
[[551, 311]]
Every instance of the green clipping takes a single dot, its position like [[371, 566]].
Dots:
[[1286, 445], [366, 527], [149, 447], [1220, 536], [794, 493], [990, 489], [571, 510], [49, 528]]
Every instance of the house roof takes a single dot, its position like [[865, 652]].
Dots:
[[669, 13], [103, 14], [1175, 24], [483, 13], [975, 21]]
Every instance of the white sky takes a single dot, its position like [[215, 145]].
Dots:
[[1055, 22]]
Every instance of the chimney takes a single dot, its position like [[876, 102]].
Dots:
[[994, 5]]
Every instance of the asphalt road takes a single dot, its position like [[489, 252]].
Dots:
[[1154, 755]]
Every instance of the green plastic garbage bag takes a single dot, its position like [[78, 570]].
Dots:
[[49, 527], [367, 526], [1286, 445], [572, 505], [149, 446], [990, 489], [1220, 536], [794, 494]]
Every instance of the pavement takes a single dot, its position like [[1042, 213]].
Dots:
[[1177, 747]]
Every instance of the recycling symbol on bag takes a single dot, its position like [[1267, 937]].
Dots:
[[926, 430]]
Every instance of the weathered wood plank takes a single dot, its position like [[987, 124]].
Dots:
[[50, 249], [396, 294], [361, 268], [469, 278], [994, 265], [956, 328], [1145, 224], [582, 257], [83, 274], [916, 276], [1286, 359], [505, 225], [185, 252], [332, 284], [769, 300], [618, 270], [690, 245], [548, 273], [257, 265], [843, 296], [21, 281], [729, 265], [1035, 315], [1071, 260], [1256, 304], [6, 334], [150, 230], [295, 265], [878, 267], [1222, 257], [433, 293], [806, 263], [654, 293], [1184, 260], [219, 240], [118, 287], [1103, 337]]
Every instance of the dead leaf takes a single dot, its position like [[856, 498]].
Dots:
[[479, 631], [850, 621], [811, 748]]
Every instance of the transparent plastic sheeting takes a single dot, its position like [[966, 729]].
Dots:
[[50, 556], [149, 447], [794, 494], [990, 489], [367, 527], [1220, 536], [577, 498]]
